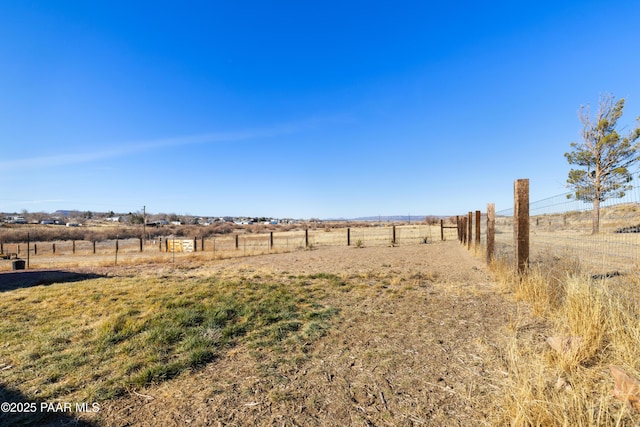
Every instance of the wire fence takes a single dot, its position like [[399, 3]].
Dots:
[[562, 227], [167, 248]]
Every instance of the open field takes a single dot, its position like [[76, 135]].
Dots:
[[602, 253], [56, 253], [568, 235], [405, 335], [417, 334]]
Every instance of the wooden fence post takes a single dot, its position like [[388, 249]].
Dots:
[[348, 236], [73, 246], [35, 249], [464, 229], [521, 224], [393, 240], [237, 242], [195, 244], [53, 248], [442, 229], [160, 244], [94, 247], [491, 230], [202, 243], [306, 237], [470, 225], [459, 229], [477, 229], [140, 243], [270, 240]]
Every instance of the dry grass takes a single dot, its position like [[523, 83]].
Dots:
[[73, 253], [14, 233], [571, 387], [410, 335], [95, 339], [403, 335], [414, 344], [569, 235]]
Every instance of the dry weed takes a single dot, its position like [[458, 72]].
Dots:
[[592, 326]]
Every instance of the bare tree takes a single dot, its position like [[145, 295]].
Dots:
[[604, 157]]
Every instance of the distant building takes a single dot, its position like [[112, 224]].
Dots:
[[15, 220]]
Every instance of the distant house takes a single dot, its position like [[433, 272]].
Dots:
[[114, 219], [16, 220]]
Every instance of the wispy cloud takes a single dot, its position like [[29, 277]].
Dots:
[[125, 149]]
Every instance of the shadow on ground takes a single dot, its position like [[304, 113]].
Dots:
[[27, 278], [17, 410]]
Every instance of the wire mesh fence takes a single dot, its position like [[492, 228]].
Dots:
[[563, 227], [167, 248]]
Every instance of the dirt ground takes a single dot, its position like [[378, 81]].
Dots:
[[417, 342]]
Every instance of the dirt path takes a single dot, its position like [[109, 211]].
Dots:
[[416, 343]]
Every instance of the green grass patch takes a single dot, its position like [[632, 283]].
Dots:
[[95, 339]]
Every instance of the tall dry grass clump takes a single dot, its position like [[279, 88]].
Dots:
[[583, 316], [559, 375]]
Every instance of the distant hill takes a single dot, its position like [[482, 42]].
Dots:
[[65, 212], [373, 218], [392, 218]]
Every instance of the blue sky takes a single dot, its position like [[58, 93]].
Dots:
[[301, 109]]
